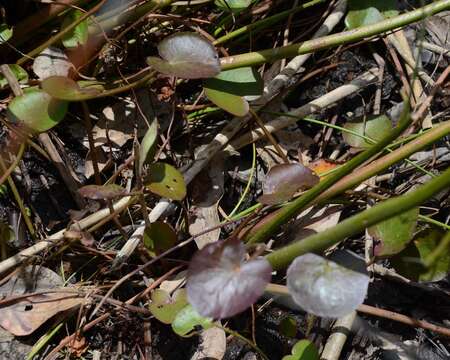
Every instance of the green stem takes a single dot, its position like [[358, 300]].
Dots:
[[287, 212], [265, 22], [270, 55], [59, 35], [357, 223]]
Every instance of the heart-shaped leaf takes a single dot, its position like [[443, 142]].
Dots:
[[284, 180], [77, 36], [235, 6], [366, 12], [148, 144], [64, 88], [394, 234], [221, 284], [409, 262], [102, 192], [324, 288], [6, 33], [159, 237], [374, 127], [37, 110], [187, 55], [303, 350], [166, 181], [165, 307], [187, 319], [20, 74], [228, 88]]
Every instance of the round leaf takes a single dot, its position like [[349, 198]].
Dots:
[[409, 262], [20, 74], [303, 350], [166, 181], [220, 284], [165, 307], [187, 319], [324, 288], [186, 55], [37, 110], [283, 181], [395, 233], [97, 192], [79, 35], [64, 88], [375, 128], [159, 237]]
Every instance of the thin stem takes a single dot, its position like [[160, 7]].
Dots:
[[286, 213], [260, 24], [270, 55], [357, 223]]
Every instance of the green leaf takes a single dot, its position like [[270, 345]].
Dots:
[[165, 307], [6, 234], [5, 33], [409, 262], [159, 237], [395, 233], [64, 88], [228, 88], [148, 144], [20, 74], [166, 181], [188, 319], [303, 350], [37, 110], [79, 35], [288, 326], [366, 12], [375, 128], [235, 6]]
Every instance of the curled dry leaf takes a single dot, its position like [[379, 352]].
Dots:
[[213, 343], [24, 316], [186, 55], [324, 288], [283, 181], [102, 192], [221, 284]]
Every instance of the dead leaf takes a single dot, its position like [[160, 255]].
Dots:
[[212, 345], [51, 62], [24, 316], [102, 160], [209, 190]]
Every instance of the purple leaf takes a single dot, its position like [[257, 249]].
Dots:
[[221, 284], [324, 288], [283, 181]]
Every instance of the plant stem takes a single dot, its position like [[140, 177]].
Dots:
[[270, 55], [287, 212], [357, 223], [60, 34], [265, 22]]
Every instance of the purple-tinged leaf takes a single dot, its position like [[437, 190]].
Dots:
[[186, 55], [221, 284], [283, 181], [97, 192], [324, 288]]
